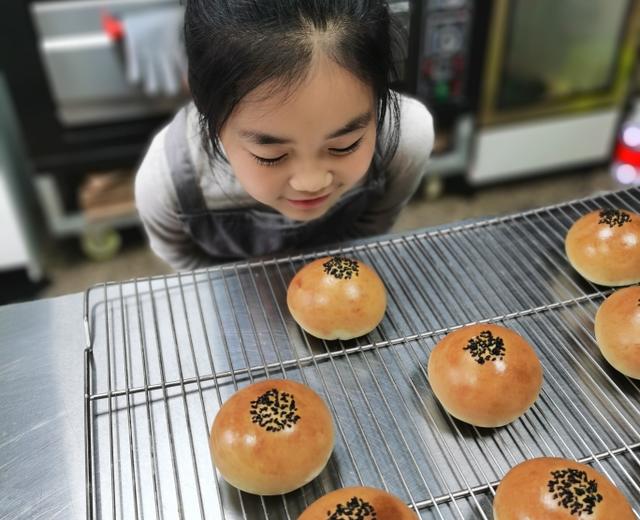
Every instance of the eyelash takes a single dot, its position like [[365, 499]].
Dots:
[[349, 149], [335, 151], [268, 162]]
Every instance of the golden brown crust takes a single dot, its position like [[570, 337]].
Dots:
[[272, 437], [551, 488], [364, 503], [617, 328], [604, 247], [485, 374], [337, 298]]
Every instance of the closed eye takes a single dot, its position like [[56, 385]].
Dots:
[[269, 162], [264, 161], [349, 149]]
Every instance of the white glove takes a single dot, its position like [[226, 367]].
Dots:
[[154, 49]]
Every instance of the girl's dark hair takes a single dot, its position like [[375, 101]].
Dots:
[[234, 46]]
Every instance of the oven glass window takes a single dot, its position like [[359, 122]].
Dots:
[[558, 50]]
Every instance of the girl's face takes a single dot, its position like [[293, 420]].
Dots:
[[299, 151]]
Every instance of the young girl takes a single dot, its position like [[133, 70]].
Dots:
[[294, 138]]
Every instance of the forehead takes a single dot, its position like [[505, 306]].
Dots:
[[321, 102]]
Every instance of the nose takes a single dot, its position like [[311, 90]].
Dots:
[[311, 181]]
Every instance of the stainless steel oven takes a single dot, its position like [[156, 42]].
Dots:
[[80, 117], [67, 81], [84, 64]]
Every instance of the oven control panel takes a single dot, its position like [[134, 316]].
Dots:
[[444, 50]]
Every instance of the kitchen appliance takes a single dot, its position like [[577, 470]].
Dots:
[[78, 113], [543, 83], [446, 49], [67, 80], [555, 80]]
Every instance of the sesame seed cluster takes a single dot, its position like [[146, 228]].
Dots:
[[274, 410]]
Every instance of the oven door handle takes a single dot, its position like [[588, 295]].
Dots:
[[83, 41]]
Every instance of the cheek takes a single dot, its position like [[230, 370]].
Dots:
[[258, 183], [353, 167]]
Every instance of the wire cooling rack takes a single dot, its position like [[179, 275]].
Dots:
[[164, 353]]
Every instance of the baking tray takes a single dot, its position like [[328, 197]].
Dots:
[[164, 353]]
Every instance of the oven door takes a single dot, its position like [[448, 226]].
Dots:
[[548, 57], [85, 66], [556, 76], [67, 83]]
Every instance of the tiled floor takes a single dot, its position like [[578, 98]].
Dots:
[[69, 271]]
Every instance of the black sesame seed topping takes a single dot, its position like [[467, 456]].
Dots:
[[614, 217], [341, 267], [574, 491], [354, 509], [484, 347], [274, 410]]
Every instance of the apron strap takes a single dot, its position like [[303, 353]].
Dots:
[[183, 174]]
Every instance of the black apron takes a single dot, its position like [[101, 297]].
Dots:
[[238, 233]]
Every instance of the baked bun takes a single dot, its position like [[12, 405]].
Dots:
[[363, 503], [618, 330], [604, 247], [272, 437], [558, 489], [337, 298], [485, 374]]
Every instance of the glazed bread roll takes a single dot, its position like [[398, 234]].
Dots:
[[272, 437], [617, 330], [604, 247], [485, 374], [362, 503], [337, 298], [558, 489]]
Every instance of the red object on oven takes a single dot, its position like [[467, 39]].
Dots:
[[112, 26]]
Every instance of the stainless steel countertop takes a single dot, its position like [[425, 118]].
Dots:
[[41, 410]]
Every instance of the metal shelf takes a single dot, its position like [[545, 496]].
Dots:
[[164, 353]]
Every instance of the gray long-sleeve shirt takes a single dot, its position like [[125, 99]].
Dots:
[[159, 209]]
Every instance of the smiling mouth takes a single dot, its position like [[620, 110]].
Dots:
[[308, 203]]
